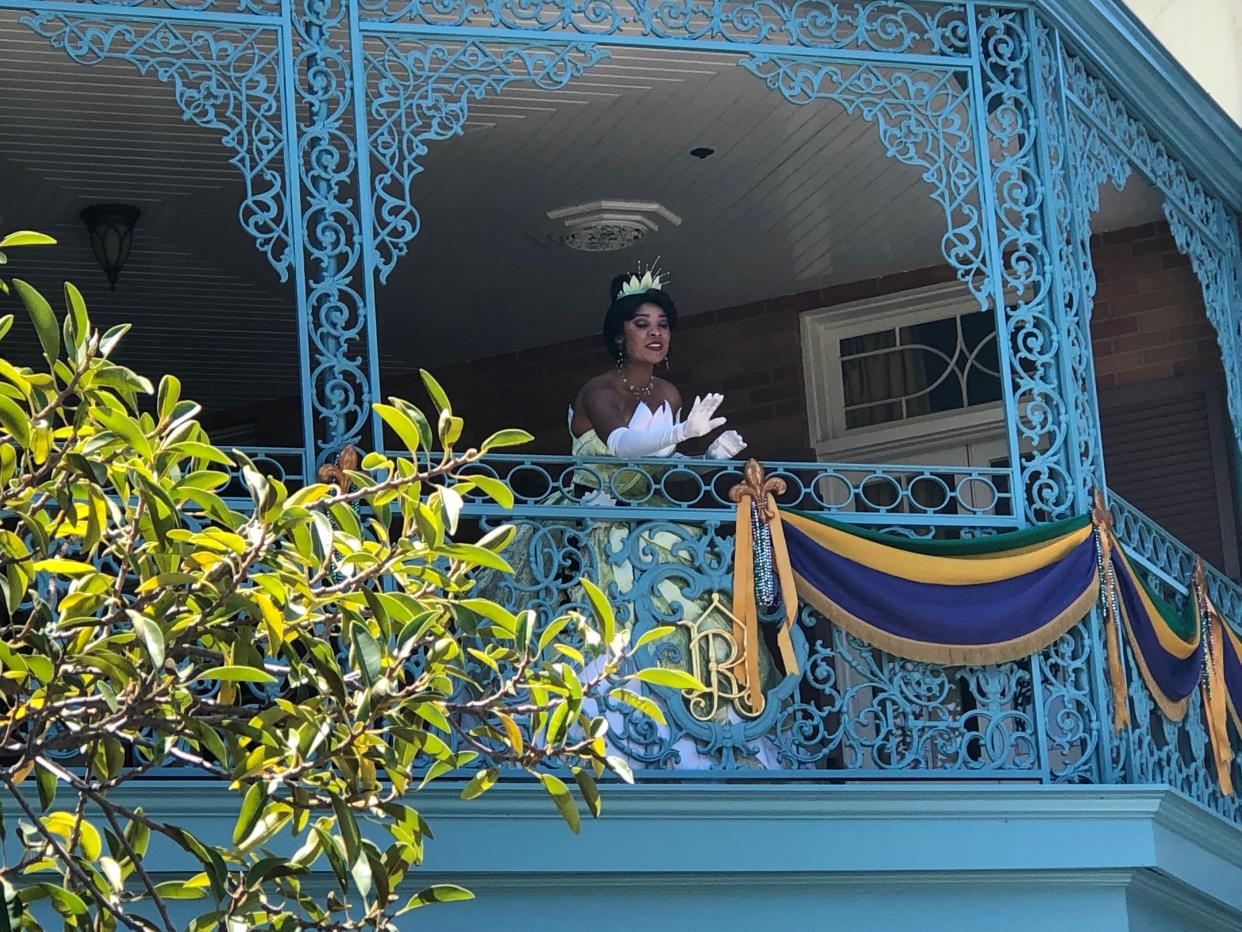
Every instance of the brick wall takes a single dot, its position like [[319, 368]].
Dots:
[[1149, 322], [1159, 378]]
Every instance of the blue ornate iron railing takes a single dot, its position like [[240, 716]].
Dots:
[[658, 536], [1157, 750], [854, 712], [906, 496]]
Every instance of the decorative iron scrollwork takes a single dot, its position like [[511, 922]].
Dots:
[[225, 78]]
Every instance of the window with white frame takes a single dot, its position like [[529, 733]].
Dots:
[[906, 378]]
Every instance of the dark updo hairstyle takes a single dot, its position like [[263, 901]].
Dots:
[[622, 309]]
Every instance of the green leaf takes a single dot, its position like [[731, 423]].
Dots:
[[498, 538], [555, 627], [26, 238], [621, 767], [590, 792], [666, 676], [63, 567], [496, 490], [123, 380], [512, 732], [453, 503], [416, 627], [251, 809], [368, 652], [235, 674], [564, 801], [41, 667], [506, 438], [655, 634], [166, 581], [260, 489], [348, 828], [138, 835], [109, 340], [566, 650], [169, 395], [640, 702], [15, 421], [308, 495], [472, 553], [64, 824], [42, 317], [217, 872], [47, 788], [402, 424], [335, 860], [497, 614], [112, 870], [77, 314], [435, 391], [179, 890], [603, 611], [109, 757], [64, 902], [450, 429], [432, 713], [127, 428], [151, 636], [202, 451], [309, 853], [9, 372], [421, 422], [363, 876], [437, 893], [480, 783], [275, 817], [556, 723]]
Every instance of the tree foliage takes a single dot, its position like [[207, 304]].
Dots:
[[317, 650]]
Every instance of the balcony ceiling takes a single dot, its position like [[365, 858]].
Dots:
[[793, 198]]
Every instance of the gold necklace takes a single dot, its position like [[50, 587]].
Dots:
[[644, 392]]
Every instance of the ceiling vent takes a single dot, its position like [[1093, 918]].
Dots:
[[608, 226]]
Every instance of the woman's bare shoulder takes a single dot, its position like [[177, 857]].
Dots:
[[594, 392], [667, 391], [599, 386]]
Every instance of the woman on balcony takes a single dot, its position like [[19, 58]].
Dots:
[[655, 571], [631, 412]]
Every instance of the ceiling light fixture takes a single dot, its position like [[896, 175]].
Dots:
[[609, 226]]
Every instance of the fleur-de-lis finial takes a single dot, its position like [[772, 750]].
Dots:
[[1101, 517], [758, 487], [338, 473]]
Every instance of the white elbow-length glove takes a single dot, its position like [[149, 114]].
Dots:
[[630, 442], [726, 446]]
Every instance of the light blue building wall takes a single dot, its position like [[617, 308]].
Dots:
[[923, 858]]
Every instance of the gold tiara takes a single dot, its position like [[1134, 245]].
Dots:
[[651, 280]]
